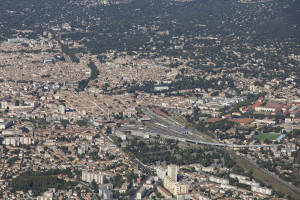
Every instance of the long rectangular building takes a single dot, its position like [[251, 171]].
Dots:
[[90, 176]]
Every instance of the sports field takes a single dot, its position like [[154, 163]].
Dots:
[[264, 136]]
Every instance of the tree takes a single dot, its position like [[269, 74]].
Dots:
[[95, 186], [267, 141], [39, 182], [24, 129], [108, 130], [64, 122], [81, 122]]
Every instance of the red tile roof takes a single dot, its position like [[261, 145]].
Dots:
[[256, 104], [242, 120], [159, 112], [165, 191]]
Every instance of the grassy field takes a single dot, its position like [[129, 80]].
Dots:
[[264, 136]]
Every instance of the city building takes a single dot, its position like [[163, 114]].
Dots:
[[161, 172], [164, 192], [90, 176], [171, 182], [262, 190], [219, 180], [141, 193], [172, 172]]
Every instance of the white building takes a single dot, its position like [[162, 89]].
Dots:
[[16, 141], [175, 187], [252, 183], [229, 187], [141, 193], [161, 88], [48, 195], [265, 121], [4, 105], [219, 180], [125, 187], [107, 194], [171, 184], [161, 172], [239, 177], [262, 190], [83, 149], [62, 109], [90, 176], [172, 172], [122, 135], [11, 132], [202, 197], [5, 124]]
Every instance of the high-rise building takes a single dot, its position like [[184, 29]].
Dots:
[[171, 182], [175, 187], [4, 105], [62, 109], [83, 149], [161, 173], [172, 172]]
